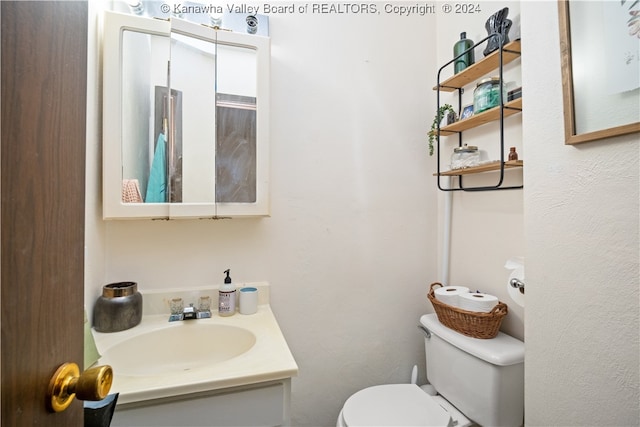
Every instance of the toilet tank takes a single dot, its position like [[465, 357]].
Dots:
[[483, 378]]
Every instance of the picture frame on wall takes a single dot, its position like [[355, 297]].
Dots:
[[590, 100]]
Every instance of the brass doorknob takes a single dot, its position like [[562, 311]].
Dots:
[[67, 383]]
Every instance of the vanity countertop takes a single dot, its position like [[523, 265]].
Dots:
[[269, 359]]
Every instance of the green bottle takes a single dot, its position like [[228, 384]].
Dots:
[[468, 58]]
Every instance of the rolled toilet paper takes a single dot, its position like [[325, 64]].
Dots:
[[482, 303], [517, 295], [450, 294]]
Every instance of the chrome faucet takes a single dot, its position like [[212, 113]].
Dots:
[[189, 312], [179, 312]]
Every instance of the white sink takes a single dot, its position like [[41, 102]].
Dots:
[[179, 347], [159, 359]]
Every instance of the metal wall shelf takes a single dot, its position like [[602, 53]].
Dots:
[[494, 61]]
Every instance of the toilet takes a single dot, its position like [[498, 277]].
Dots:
[[472, 382]]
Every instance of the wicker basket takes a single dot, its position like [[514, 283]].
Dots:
[[470, 323]]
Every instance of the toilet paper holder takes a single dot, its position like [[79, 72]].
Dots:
[[518, 284]]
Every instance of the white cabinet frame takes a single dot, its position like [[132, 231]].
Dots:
[[115, 24]]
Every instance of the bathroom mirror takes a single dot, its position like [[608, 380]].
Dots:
[[236, 125], [144, 71], [185, 120], [600, 63], [191, 154]]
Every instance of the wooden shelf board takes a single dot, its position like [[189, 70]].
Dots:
[[488, 167], [510, 108], [510, 51]]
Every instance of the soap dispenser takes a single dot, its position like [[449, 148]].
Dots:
[[227, 297]]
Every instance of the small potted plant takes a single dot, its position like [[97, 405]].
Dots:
[[447, 111]]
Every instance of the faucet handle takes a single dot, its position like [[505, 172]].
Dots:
[[204, 303], [204, 307], [176, 305]]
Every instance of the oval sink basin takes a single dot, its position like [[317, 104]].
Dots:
[[180, 347]]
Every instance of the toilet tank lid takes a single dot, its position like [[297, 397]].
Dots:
[[503, 350]]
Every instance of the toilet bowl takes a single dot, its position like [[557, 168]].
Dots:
[[398, 405]]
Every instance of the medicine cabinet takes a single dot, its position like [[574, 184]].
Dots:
[[185, 120]]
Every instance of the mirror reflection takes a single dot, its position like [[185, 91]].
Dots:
[[188, 120], [192, 77], [144, 67], [236, 125]]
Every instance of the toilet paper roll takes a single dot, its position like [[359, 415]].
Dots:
[[478, 302], [450, 294], [517, 295]]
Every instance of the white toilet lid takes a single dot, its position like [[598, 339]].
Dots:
[[393, 405]]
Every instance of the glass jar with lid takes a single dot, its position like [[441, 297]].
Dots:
[[487, 94], [465, 157]]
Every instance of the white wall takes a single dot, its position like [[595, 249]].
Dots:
[[351, 244], [582, 248]]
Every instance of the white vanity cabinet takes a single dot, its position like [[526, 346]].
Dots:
[[185, 120], [197, 372], [266, 404]]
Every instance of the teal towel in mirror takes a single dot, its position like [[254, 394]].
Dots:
[[157, 186]]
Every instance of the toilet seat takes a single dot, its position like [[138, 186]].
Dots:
[[393, 405]]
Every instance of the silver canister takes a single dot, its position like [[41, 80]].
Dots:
[[118, 308]]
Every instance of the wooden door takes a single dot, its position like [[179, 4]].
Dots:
[[42, 155]]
